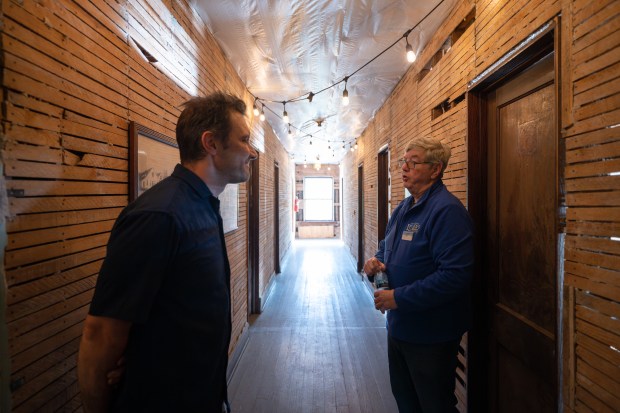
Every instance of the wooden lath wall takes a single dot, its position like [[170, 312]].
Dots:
[[275, 152], [73, 78], [592, 258], [590, 113]]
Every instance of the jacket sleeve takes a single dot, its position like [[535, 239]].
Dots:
[[452, 250]]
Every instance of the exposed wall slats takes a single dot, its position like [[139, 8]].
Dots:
[[47, 286], [48, 368], [55, 219], [592, 257], [56, 266]]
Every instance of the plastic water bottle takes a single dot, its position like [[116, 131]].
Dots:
[[381, 281]]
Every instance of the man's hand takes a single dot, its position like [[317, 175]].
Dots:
[[373, 266], [114, 376], [384, 300]]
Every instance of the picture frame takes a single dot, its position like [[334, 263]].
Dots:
[[229, 207], [152, 157]]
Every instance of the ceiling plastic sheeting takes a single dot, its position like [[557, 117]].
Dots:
[[284, 50]]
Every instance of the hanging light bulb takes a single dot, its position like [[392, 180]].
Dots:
[[262, 113], [410, 53], [285, 114], [355, 145], [256, 112], [310, 96], [290, 133], [352, 149], [345, 94]]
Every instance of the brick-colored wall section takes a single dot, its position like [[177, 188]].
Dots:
[[590, 102], [73, 78]]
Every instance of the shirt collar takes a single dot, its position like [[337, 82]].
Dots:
[[193, 180]]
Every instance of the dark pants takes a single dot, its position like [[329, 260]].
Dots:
[[423, 376]]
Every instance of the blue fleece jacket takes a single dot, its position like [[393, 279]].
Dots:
[[429, 255]]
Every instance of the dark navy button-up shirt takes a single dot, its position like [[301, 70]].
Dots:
[[167, 272]]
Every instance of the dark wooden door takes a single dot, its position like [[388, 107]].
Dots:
[[254, 306], [276, 218], [521, 241], [383, 185], [360, 218]]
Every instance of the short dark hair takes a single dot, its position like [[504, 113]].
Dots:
[[208, 113]]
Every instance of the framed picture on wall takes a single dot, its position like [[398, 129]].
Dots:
[[229, 207], [152, 157]]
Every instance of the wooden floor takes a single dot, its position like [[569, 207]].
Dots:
[[319, 345]]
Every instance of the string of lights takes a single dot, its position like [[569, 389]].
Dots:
[[410, 56]]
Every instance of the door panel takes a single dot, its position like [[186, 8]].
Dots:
[[254, 305], [383, 196], [360, 218], [521, 241], [276, 218], [526, 210]]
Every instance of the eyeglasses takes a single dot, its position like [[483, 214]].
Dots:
[[410, 164]]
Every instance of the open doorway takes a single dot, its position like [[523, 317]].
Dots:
[[318, 201]]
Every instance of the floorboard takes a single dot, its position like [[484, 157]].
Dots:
[[319, 346]]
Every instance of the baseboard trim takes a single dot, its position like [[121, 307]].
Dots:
[[268, 291], [234, 358]]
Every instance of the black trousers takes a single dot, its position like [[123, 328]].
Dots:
[[423, 376]]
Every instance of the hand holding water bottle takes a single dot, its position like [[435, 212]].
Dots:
[[373, 266]]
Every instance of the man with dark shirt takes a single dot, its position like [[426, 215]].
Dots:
[[162, 299], [428, 256]]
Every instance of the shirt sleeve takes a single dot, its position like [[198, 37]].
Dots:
[[140, 251], [452, 249]]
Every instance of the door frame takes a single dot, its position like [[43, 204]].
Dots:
[[545, 40], [360, 217], [383, 196], [276, 217], [254, 305]]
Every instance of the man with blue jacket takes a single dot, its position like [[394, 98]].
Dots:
[[428, 256]]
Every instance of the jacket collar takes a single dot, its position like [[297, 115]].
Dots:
[[434, 188]]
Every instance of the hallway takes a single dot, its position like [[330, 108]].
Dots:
[[319, 345]]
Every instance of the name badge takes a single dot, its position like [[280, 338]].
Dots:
[[407, 235]]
